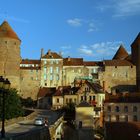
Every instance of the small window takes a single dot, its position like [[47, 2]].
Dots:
[[126, 109], [51, 77], [126, 118], [45, 84], [117, 118], [131, 66], [94, 98], [117, 109], [135, 118], [90, 98], [115, 66], [81, 98], [135, 109], [57, 100], [109, 108]]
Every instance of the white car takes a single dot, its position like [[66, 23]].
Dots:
[[39, 121]]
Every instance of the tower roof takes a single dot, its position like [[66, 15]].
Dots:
[[7, 31], [136, 41], [121, 53]]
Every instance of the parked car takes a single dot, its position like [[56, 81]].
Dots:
[[98, 136], [39, 121]]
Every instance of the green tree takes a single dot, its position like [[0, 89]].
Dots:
[[13, 107]]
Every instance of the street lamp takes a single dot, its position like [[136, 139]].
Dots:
[[4, 84]]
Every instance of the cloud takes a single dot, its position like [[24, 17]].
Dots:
[[100, 50], [120, 8], [85, 50], [76, 22], [127, 8]]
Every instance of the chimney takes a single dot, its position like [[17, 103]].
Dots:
[[42, 52], [68, 58], [49, 52]]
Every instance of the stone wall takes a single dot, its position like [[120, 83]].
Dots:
[[29, 83], [118, 77]]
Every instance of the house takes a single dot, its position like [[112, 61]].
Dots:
[[84, 115], [122, 108]]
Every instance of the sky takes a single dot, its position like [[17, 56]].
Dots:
[[91, 29]]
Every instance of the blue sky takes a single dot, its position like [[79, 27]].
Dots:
[[92, 29]]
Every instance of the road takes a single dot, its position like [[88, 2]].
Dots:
[[28, 125]]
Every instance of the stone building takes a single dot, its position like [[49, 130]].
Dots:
[[122, 108], [52, 70], [135, 49], [10, 55]]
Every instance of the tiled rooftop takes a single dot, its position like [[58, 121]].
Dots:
[[7, 31]]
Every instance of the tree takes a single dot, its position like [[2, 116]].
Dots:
[[13, 107]]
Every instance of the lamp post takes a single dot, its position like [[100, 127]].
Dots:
[[4, 84]]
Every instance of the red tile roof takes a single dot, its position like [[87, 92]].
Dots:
[[46, 91], [136, 41], [52, 55], [62, 90], [90, 63], [73, 61], [30, 61], [7, 31], [117, 63], [121, 53]]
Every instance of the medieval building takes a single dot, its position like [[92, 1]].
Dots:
[[52, 70]]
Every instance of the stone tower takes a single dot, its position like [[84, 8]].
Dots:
[[10, 55], [135, 49]]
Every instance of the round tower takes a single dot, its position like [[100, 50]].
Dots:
[[10, 55]]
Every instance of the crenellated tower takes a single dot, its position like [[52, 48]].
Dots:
[[10, 55]]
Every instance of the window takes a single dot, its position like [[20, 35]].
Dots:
[[126, 109], [70, 100], [135, 118], [115, 66], [31, 71], [109, 118], [66, 100], [36, 71], [85, 98], [56, 61], [51, 62], [117, 109], [57, 100], [57, 69], [135, 109], [45, 62], [90, 98], [117, 118], [81, 98], [57, 77], [51, 77], [45, 69], [126, 118], [75, 101], [94, 98], [45, 84], [45, 77], [51, 69], [109, 108]]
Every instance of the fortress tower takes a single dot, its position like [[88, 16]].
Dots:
[[135, 49], [10, 55]]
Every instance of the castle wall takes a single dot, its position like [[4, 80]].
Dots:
[[120, 77], [10, 61]]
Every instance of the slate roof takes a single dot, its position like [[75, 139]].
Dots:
[[121, 53], [73, 61], [117, 63], [7, 31], [43, 92]]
